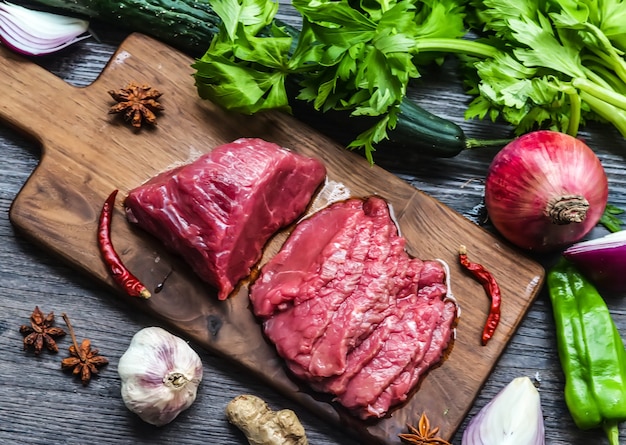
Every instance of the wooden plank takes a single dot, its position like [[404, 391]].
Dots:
[[87, 153]]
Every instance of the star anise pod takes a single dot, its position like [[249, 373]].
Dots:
[[41, 333], [422, 435], [137, 103], [83, 361]]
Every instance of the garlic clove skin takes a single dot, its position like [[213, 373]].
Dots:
[[512, 417], [160, 375]]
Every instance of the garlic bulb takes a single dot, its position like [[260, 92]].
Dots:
[[160, 375], [513, 417]]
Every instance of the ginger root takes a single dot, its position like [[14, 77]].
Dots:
[[261, 425]]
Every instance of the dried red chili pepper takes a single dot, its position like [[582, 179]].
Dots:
[[118, 270], [484, 277]]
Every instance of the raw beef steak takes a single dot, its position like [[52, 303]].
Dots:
[[219, 211], [350, 311]]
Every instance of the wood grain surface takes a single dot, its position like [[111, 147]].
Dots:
[[41, 405], [87, 153]]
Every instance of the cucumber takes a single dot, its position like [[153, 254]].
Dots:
[[189, 26], [416, 130]]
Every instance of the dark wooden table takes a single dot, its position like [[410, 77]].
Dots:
[[39, 404]]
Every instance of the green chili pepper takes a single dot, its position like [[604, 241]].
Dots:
[[591, 352]]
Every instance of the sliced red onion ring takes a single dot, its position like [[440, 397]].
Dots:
[[34, 32], [602, 260]]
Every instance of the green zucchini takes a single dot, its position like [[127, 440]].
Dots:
[[189, 26]]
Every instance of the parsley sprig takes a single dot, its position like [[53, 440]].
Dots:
[[354, 56]]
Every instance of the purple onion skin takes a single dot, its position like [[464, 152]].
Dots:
[[530, 171], [471, 435], [604, 266]]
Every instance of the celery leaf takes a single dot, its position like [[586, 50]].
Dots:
[[353, 56]]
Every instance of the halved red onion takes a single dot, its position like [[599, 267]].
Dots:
[[602, 260], [34, 32], [512, 417]]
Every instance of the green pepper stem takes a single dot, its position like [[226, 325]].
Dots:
[[612, 432]]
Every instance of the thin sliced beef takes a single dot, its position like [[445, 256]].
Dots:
[[350, 311], [356, 260], [397, 392], [219, 211], [305, 266], [407, 343]]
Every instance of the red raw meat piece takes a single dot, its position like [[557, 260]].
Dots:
[[219, 211], [350, 311]]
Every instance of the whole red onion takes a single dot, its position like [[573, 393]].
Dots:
[[545, 190]]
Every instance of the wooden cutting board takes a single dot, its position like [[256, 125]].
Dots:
[[86, 153]]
